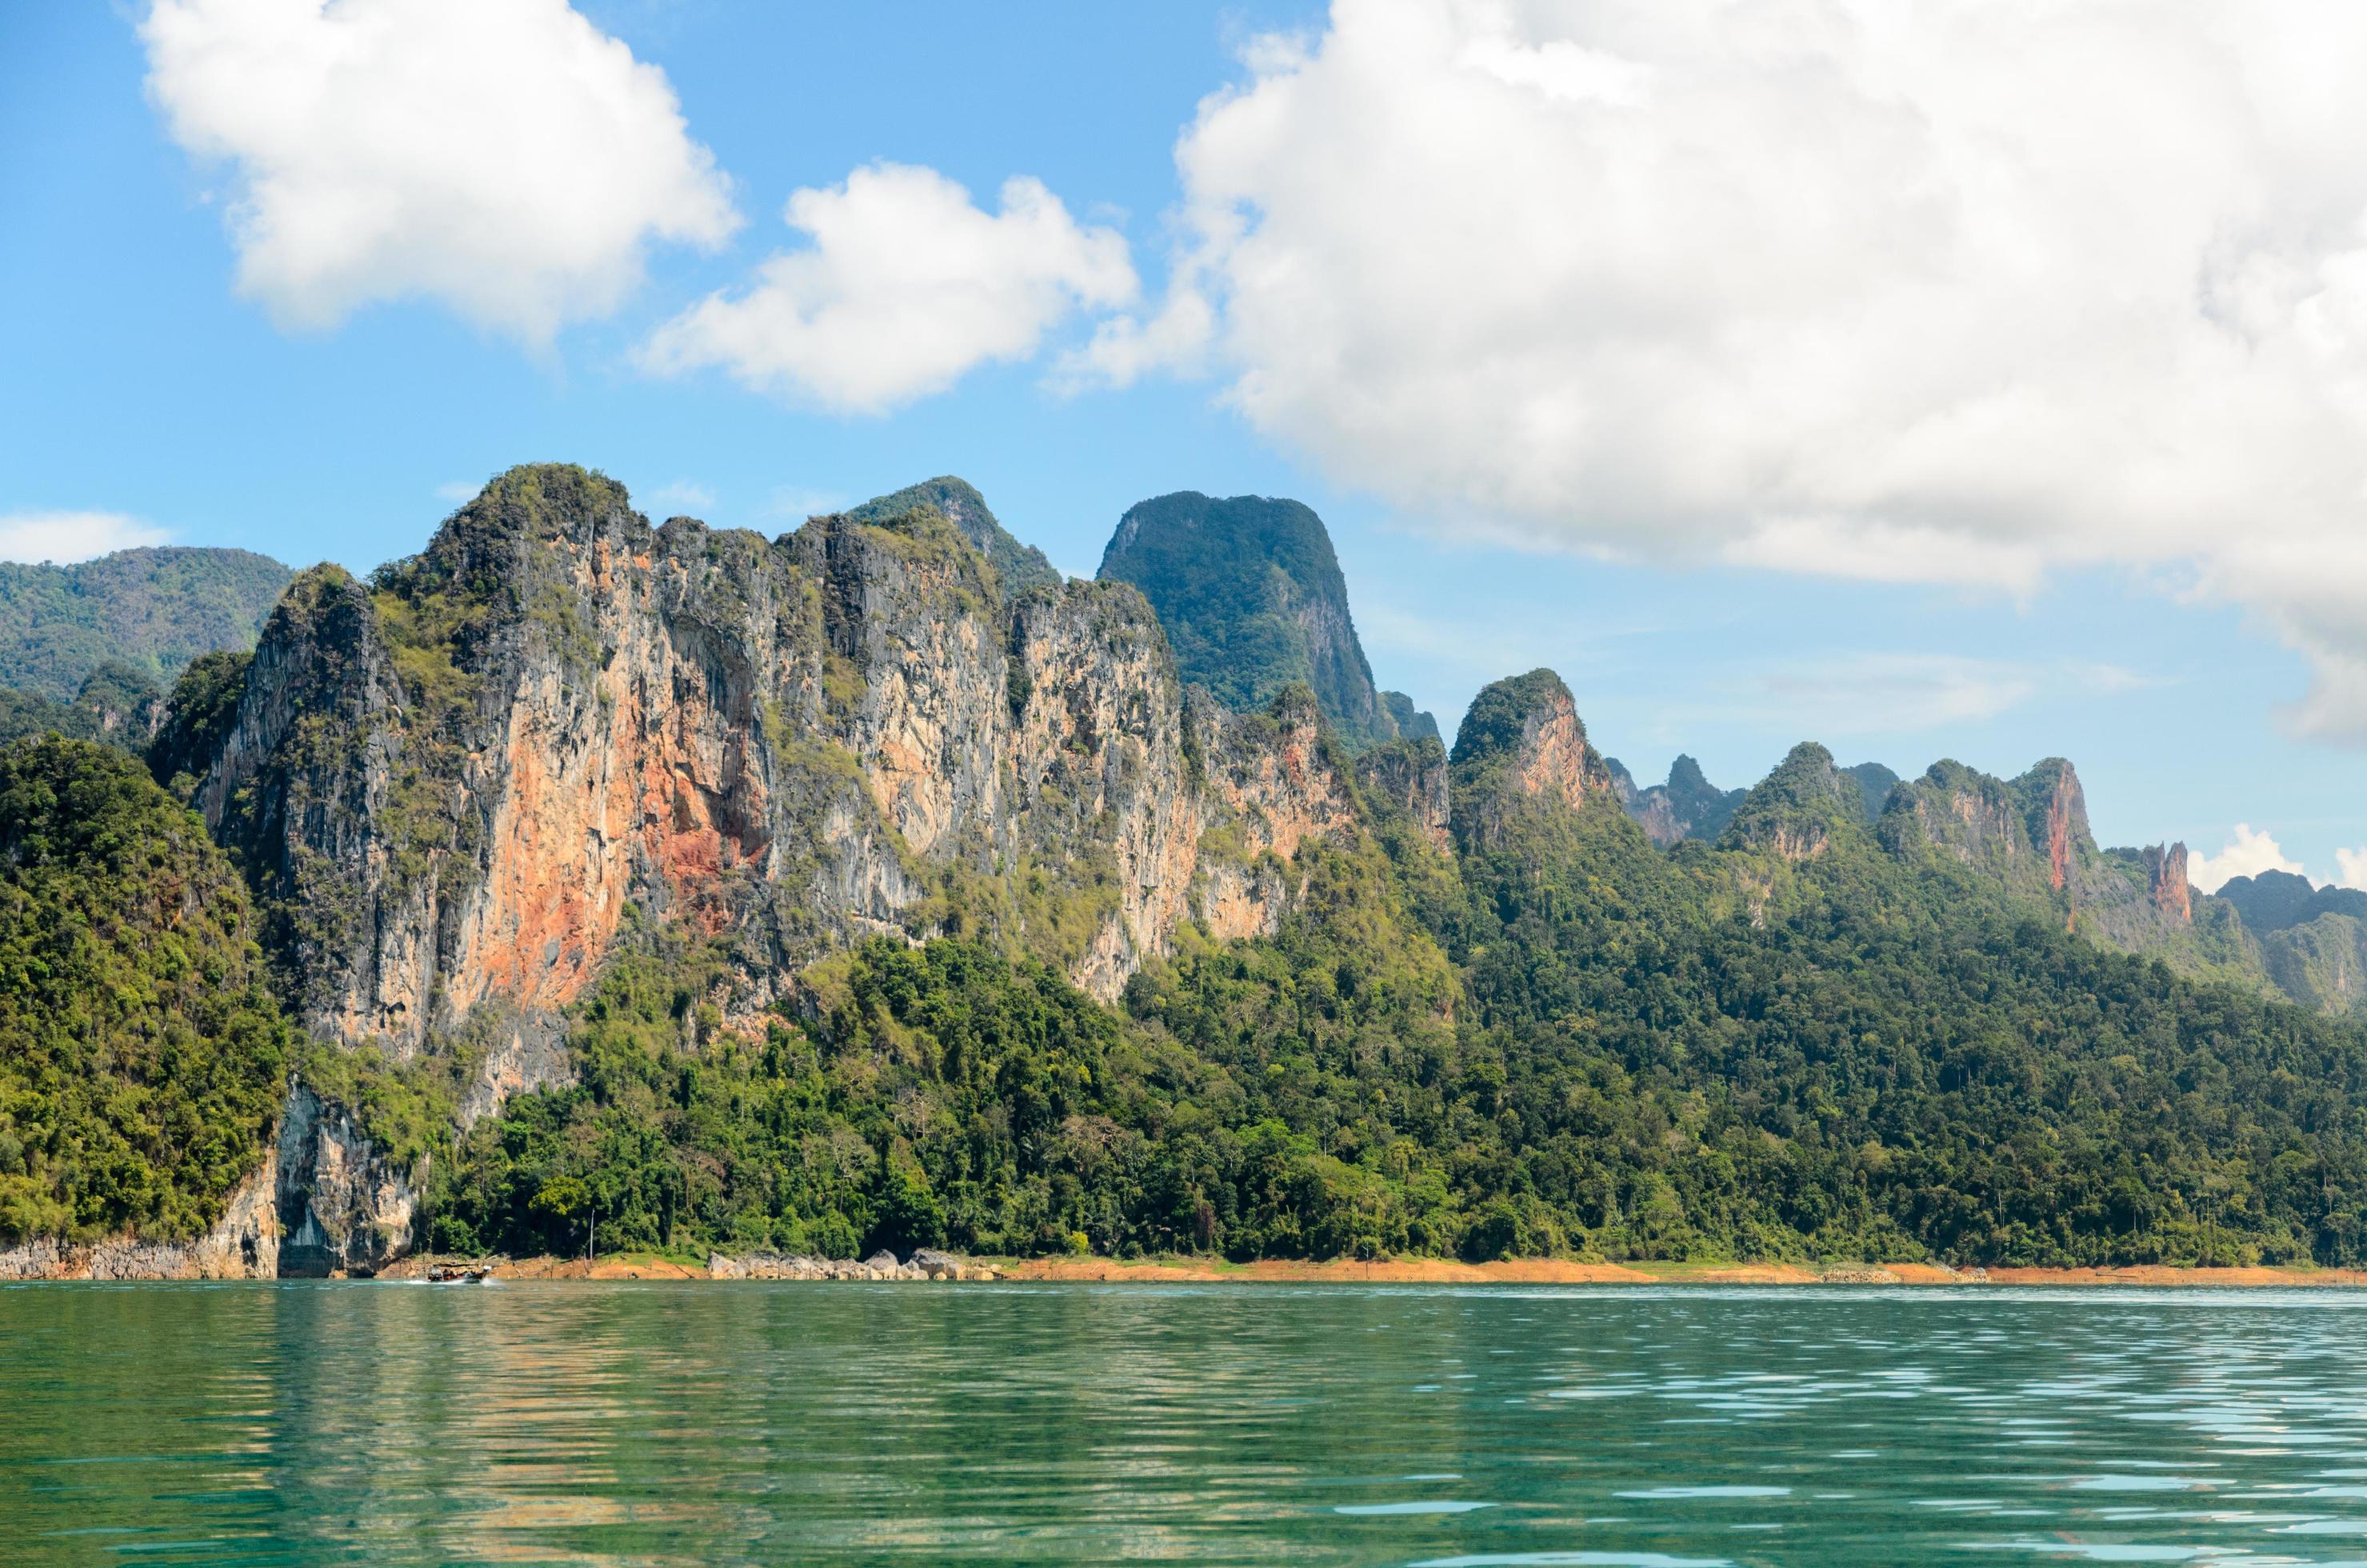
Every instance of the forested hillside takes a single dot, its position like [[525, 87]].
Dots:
[[1555, 1040], [148, 611], [141, 1054], [825, 894]]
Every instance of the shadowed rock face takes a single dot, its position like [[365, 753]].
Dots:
[[1687, 806], [1411, 776], [458, 779]]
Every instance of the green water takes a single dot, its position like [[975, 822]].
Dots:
[[381, 1423]]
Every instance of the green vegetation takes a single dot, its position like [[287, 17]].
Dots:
[[1831, 1032], [1796, 1045], [1018, 566], [203, 706], [150, 611], [142, 1057], [1251, 598], [116, 704]]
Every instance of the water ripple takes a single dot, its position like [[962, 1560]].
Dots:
[[1631, 1429]]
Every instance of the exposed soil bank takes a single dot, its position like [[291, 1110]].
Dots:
[[1440, 1271], [1555, 1271]]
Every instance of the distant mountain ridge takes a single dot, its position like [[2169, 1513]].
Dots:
[[149, 611], [2312, 939], [1687, 806], [2278, 901]]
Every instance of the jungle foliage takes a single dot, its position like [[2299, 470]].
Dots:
[[141, 1053], [1569, 1043]]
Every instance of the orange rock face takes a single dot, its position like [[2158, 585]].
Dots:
[[474, 769], [1555, 758], [2167, 885]]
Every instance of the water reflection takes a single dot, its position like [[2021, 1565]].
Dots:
[[322, 1422]]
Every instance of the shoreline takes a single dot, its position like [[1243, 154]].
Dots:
[[1445, 1272], [128, 1263]]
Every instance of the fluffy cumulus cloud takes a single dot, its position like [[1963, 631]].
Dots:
[[2249, 853], [1963, 293], [62, 536], [903, 286], [2351, 867], [504, 157]]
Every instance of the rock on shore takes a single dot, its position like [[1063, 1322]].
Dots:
[[925, 1264]]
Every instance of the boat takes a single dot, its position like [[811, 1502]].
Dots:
[[446, 1274]]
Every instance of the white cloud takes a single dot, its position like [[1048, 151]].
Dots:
[[64, 536], [503, 157], [905, 287], [681, 495], [2251, 852], [456, 491], [1966, 293], [2350, 867], [1885, 692], [1891, 693], [798, 502]]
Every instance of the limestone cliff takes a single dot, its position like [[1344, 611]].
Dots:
[[2030, 837], [1018, 566], [1523, 743], [1799, 811], [1687, 806], [2167, 884], [1410, 777], [455, 779], [322, 1199]]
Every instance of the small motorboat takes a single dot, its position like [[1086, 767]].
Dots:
[[448, 1274]]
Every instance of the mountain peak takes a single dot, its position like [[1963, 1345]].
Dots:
[[2167, 882], [1524, 733], [1687, 806], [1021, 566], [2278, 901], [1800, 808], [2056, 809], [1251, 596]]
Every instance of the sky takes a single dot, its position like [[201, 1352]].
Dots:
[[1984, 381]]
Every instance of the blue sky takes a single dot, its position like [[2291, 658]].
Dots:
[[148, 384]]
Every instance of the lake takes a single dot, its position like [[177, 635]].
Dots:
[[692, 1424]]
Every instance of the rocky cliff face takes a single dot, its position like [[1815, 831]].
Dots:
[[323, 1200], [338, 1202], [1411, 776], [2057, 818], [1687, 806], [1961, 814], [243, 1245], [1018, 566], [455, 779], [1523, 742], [2165, 883], [1798, 811]]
